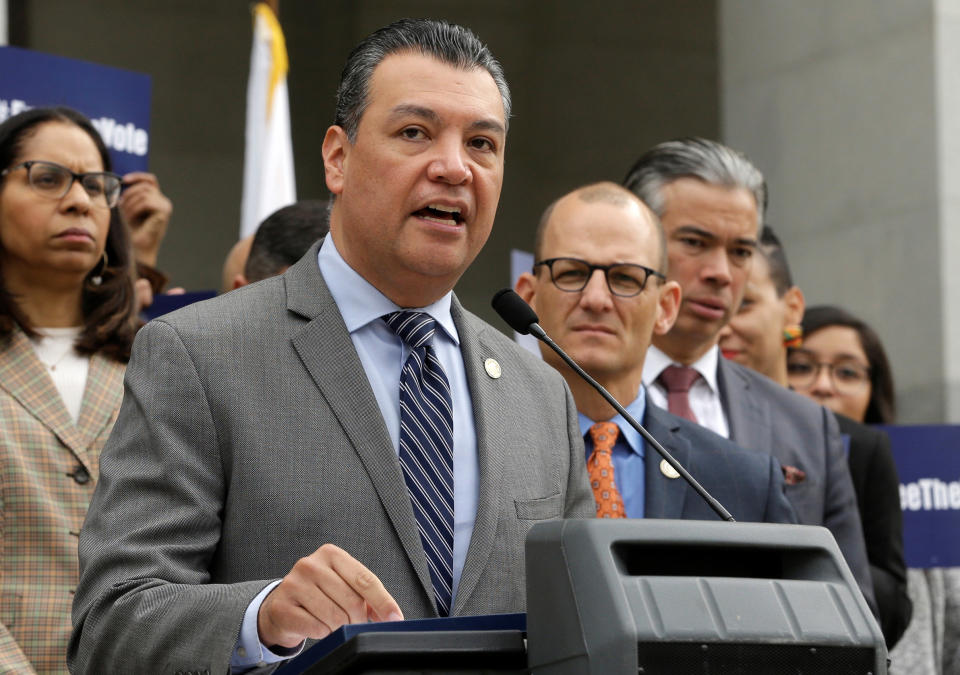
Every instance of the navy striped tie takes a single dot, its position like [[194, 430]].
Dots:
[[426, 447]]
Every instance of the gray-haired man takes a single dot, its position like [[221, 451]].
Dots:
[[711, 200], [346, 441]]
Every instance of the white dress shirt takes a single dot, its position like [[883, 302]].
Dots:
[[704, 394]]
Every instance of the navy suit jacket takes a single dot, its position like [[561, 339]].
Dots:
[[748, 484]]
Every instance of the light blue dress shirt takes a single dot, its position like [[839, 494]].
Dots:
[[628, 467], [382, 355]]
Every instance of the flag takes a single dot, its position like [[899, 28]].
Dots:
[[268, 181]]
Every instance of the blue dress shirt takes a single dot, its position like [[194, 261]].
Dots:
[[628, 467], [383, 355]]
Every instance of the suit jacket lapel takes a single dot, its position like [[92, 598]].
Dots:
[[664, 497], [327, 352], [26, 379], [748, 416], [489, 415]]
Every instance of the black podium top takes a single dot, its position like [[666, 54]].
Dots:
[[405, 653]]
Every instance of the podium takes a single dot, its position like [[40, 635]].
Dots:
[[614, 597], [717, 598], [464, 644], [498, 652]]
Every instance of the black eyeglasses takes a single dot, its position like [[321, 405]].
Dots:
[[623, 279], [54, 181], [848, 377]]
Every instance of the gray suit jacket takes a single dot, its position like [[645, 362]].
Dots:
[[249, 436], [748, 484], [767, 417]]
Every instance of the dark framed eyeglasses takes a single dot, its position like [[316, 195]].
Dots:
[[54, 181], [848, 377], [623, 279]]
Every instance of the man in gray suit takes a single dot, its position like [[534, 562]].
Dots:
[[710, 200], [284, 461], [599, 289]]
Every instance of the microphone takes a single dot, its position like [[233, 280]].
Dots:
[[517, 313], [521, 318]]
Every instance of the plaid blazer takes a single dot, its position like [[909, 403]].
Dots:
[[48, 467]]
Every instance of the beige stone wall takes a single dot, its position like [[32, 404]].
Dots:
[[842, 106]]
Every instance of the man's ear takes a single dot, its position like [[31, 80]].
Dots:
[[795, 304], [526, 288], [336, 148], [668, 306], [239, 281]]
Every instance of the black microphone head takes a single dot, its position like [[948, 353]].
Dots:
[[512, 309]]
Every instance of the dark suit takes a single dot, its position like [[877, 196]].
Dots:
[[749, 485], [767, 417], [249, 435], [877, 486]]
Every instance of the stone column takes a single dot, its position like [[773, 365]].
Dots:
[[851, 110]]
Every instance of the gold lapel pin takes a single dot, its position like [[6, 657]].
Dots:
[[492, 368], [668, 470]]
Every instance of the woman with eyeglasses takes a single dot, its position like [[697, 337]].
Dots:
[[837, 375], [67, 321], [842, 365]]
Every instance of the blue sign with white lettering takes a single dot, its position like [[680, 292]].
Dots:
[[117, 101], [928, 462]]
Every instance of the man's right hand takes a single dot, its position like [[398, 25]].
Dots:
[[323, 591]]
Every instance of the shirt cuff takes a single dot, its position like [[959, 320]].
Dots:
[[249, 652]]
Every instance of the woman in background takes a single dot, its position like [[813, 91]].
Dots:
[[843, 366], [67, 321], [758, 337], [931, 644]]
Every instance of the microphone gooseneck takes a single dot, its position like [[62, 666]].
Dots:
[[521, 317]]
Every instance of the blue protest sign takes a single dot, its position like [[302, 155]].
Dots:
[[117, 101], [928, 462]]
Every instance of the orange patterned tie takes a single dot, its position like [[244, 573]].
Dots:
[[600, 467]]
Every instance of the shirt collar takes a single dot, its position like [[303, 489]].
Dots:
[[359, 301], [637, 409], [657, 361]]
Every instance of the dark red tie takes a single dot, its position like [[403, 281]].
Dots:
[[677, 380]]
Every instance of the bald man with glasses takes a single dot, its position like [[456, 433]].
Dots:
[[600, 290]]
